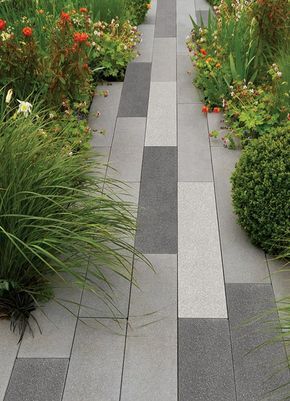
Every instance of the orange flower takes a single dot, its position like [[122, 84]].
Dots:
[[40, 11], [148, 5], [2, 24], [81, 37], [85, 66], [205, 109], [208, 60], [218, 65], [216, 109], [27, 31], [64, 16], [203, 51], [83, 10]]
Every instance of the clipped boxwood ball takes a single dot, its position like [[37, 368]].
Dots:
[[261, 189]]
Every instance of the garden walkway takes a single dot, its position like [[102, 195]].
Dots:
[[182, 334]]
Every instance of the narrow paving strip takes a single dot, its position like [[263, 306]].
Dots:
[[181, 334]]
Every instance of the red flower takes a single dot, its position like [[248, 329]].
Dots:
[[83, 10], [27, 31], [205, 109], [65, 16], [85, 66], [216, 109], [203, 51], [81, 37], [2, 24]]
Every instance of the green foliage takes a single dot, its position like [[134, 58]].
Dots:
[[54, 218], [261, 189], [137, 10]]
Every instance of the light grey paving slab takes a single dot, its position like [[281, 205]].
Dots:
[[101, 157], [135, 93], [145, 48], [280, 277], [216, 123], [202, 5], [37, 380], [194, 158], [205, 360], [150, 368], [243, 262], [127, 149], [104, 112], [164, 60], [257, 372], [157, 214], [96, 364], [57, 325], [201, 292], [185, 9], [151, 15], [165, 19], [161, 122], [202, 17], [8, 351], [186, 91]]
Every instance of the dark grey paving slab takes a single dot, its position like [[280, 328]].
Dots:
[[205, 361], [243, 262], [103, 113], [257, 372], [157, 214], [135, 93], [96, 363], [186, 91], [8, 351], [194, 158], [150, 368], [165, 19], [37, 380]]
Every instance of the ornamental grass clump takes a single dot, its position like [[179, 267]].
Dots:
[[54, 217]]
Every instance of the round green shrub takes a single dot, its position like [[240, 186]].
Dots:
[[261, 189]]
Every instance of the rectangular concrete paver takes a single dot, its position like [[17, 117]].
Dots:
[[164, 60], [127, 149], [37, 380], [186, 91], [157, 214], [216, 123], [135, 93], [145, 48], [96, 364], [194, 159], [57, 322], [185, 9], [161, 123], [243, 262], [201, 292], [165, 19], [150, 368], [205, 360], [252, 324], [8, 351], [202, 5], [104, 112], [151, 15]]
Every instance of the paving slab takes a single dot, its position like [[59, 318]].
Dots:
[[194, 158], [164, 60], [202, 17], [135, 92], [157, 213], [127, 149], [186, 91], [57, 325], [151, 15], [185, 9], [216, 123], [243, 262], [8, 351], [165, 19], [96, 363], [205, 360], [252, 324], [145, 48], [202, 5], [37, 380], [201, 292], [103, 113], [150, 367], [280, 277], [161, 122]]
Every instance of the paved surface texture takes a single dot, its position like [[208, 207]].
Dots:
[[186, 330]]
